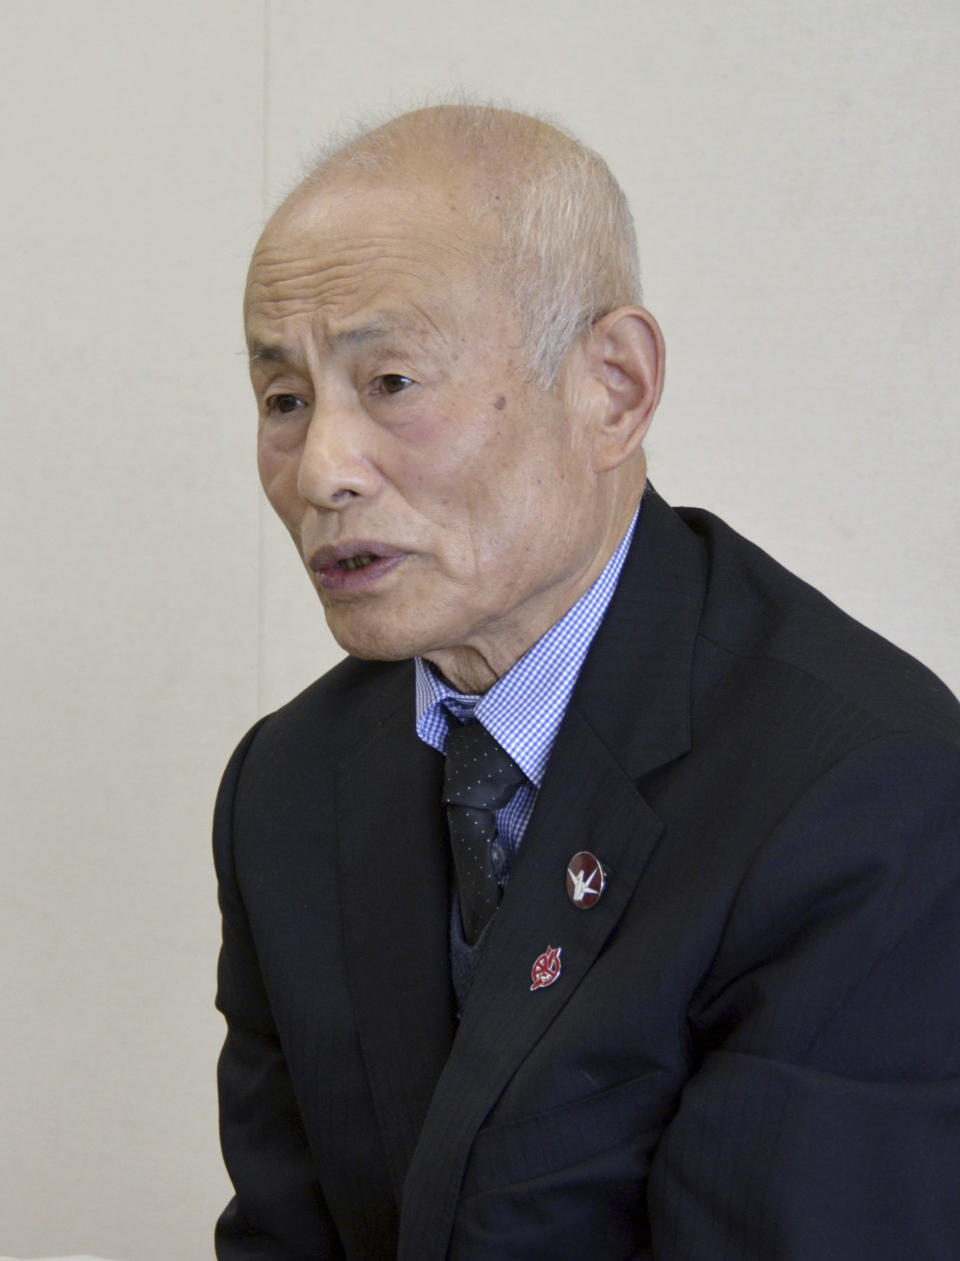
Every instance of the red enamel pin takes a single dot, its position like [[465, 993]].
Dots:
[[546, 968], [586, 879]]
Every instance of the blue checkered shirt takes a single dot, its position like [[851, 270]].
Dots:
[[523, 710]]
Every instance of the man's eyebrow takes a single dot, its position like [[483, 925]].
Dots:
[[378, 329], [263, 352], [375, 330]]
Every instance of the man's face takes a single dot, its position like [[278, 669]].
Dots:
[[443, 506]]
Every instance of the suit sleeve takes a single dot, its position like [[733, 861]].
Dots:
[[822, 1119], [278, 1212]]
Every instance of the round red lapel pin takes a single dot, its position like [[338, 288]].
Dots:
[[586, 880]]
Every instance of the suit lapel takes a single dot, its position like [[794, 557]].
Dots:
[[629, 714], [395, 896], [590, 805]]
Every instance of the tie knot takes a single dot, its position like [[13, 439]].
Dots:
[[479, 772]]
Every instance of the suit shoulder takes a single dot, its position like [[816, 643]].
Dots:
[[758, 611], [334, 714], [351, 682]]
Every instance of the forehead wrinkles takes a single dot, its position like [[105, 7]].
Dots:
[[306, 272]]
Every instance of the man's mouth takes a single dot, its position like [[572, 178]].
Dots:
[[347, 567], [356, 562]]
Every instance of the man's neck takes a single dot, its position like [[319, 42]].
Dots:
[[473, 669]]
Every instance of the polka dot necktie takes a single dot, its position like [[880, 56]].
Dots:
[[480, 778]]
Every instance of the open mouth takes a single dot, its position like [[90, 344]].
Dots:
[[357, 570], [356, 562]]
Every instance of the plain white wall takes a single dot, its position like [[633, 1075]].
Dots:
[[793, 170], [132, 187]]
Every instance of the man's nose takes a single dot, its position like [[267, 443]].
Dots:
[[336, 463]]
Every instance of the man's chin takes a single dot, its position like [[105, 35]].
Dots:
[[371, 643]]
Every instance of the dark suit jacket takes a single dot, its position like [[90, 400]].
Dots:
[[752, 1050]]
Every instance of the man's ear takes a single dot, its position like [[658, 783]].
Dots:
[[624, 356]]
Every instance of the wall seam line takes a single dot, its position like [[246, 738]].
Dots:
[[261, 505]]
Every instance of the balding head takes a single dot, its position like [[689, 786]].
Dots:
[[453, 383], [553, 226]]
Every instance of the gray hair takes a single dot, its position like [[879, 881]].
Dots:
[[566, 249]]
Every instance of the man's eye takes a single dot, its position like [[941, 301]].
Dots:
[[283, 404], [390, 383]]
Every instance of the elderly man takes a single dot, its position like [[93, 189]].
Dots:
[[604, 901]]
